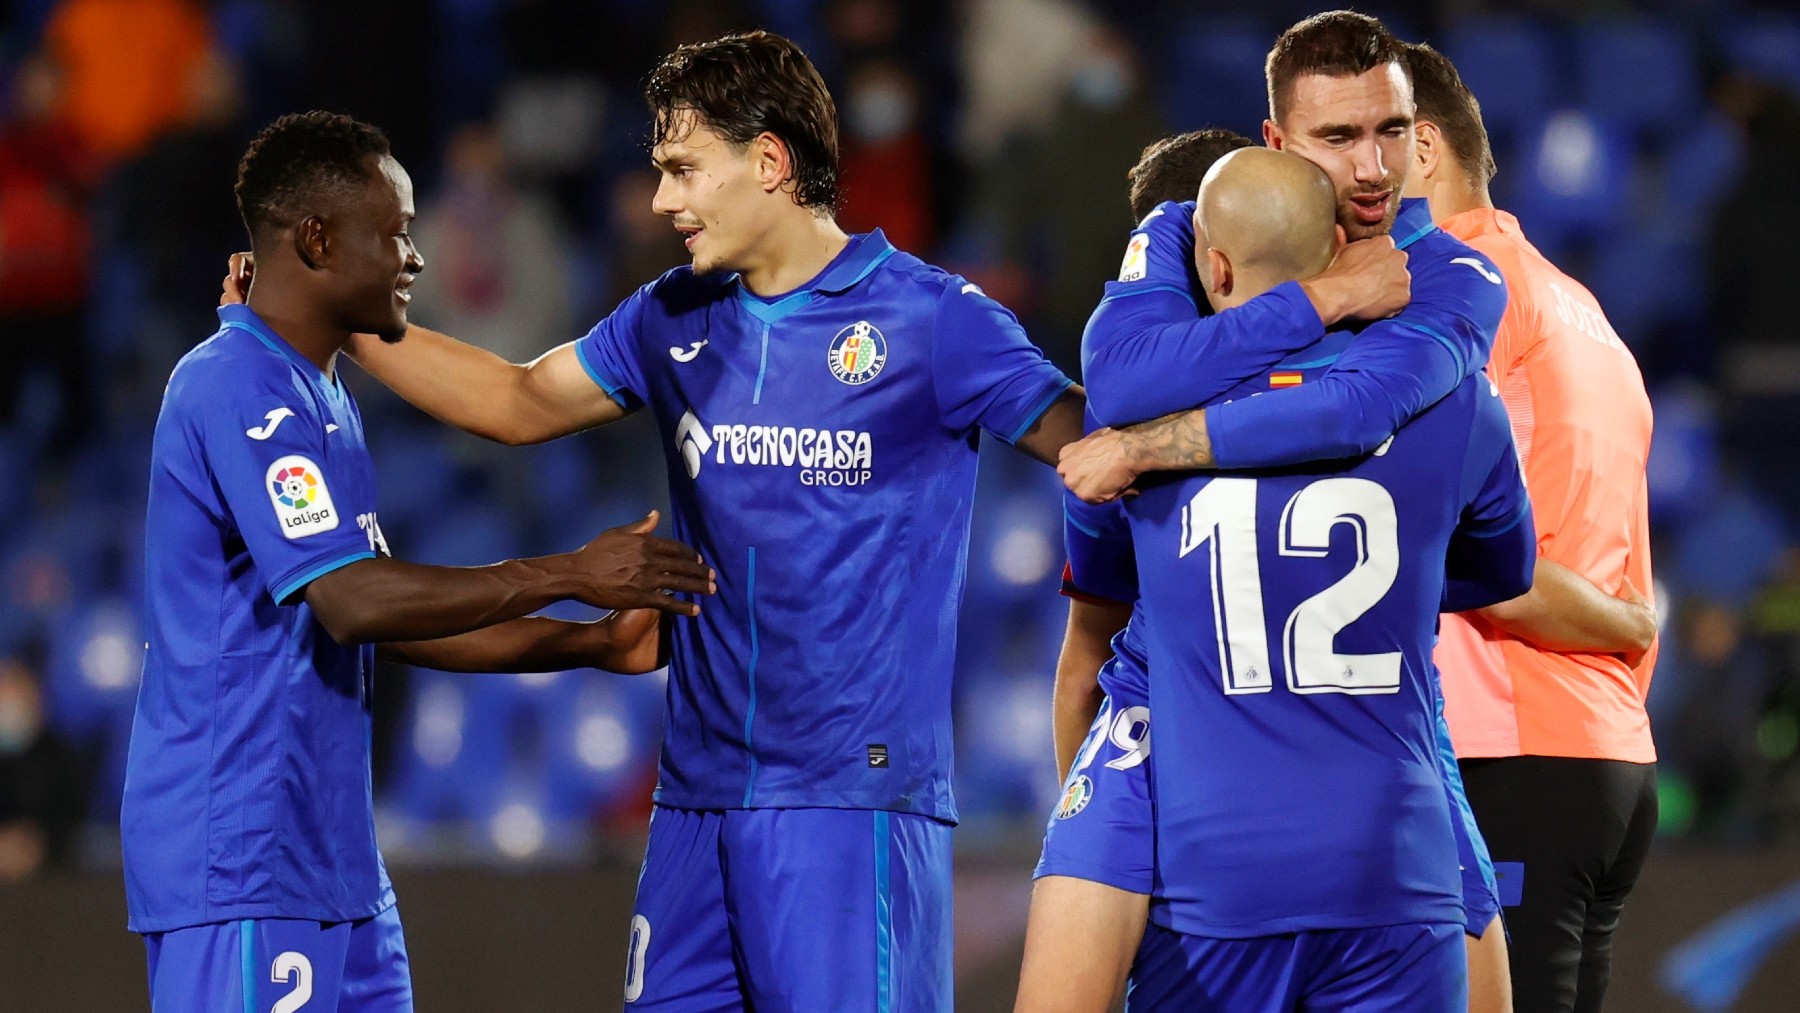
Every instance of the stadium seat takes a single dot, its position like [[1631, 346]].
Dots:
[[92, 673], [1215, 75], [1571, 178], [451, 760], [1766, 45], [418, 477], [1700, 167], [1637, 73], [471, 535], [1510, 64], [601, 733], [1631, 277]]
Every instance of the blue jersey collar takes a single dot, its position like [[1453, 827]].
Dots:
[[239, 317], [864, 254], [1413, 223]]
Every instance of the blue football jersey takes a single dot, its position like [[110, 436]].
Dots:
[[1292, 616], [1154, 330], [247, 787], [821, 455]]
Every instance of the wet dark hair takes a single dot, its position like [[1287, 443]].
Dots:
[[301, 162], [1442, 98], [1334, 43], [740, 86], [1172, 168]]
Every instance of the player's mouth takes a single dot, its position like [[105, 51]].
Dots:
[[403, 288], [1371, 208], [689, 234]]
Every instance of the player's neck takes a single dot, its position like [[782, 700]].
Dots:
[[799, 248], [299, 322], [1452, 196]]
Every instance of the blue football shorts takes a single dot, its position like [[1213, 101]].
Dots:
[[282, 965], [1102, 828], [1392, 969], [792, 910]]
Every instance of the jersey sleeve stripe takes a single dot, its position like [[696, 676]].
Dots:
[[593, 371], [1442, 339], [289, 589], [1031, 417]]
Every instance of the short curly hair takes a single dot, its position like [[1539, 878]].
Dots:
[[1172, 168], [742, 85], [301, 161]]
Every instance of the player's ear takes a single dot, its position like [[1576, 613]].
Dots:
[[1429, 148], [1271, 135], [1218, 273], [311, 242], [771, 161]]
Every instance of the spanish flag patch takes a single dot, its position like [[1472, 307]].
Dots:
[[1278, 380]]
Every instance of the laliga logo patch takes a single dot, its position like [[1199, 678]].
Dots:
[[1075, 797], [857, 353], [1136, 262], [302, 501]]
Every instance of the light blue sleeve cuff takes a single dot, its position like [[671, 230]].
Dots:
[[286, 592]]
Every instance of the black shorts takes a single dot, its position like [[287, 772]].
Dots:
[[1569, 837]]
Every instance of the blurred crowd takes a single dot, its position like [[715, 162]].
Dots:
[[1651, 149]]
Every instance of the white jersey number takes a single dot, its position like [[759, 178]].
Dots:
[[292, 966], [1222, 516], [634, 959]]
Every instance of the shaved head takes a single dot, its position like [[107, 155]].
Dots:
[[1269, 216]]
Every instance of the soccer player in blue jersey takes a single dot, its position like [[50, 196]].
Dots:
[[819, 397], [1352, 103], [1089, 905], [251, 866], [1314, 748]]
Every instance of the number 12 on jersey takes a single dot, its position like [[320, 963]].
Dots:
[[1222, 518]]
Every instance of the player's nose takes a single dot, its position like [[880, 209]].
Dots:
[[664, 203], [1369, 165]]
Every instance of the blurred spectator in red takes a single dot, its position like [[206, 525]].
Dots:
[[641, 243], [127, 62], [496, 256], [886, 163], [46, 178], [43, 791]]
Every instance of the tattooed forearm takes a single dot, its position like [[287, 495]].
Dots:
[[1177, 442]]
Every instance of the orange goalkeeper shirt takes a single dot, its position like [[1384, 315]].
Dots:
[[1582, 423]]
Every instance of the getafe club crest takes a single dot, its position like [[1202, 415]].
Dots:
[[1075, 797], [857, 353]]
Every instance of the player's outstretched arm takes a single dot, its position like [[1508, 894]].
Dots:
[[384, 600], [1564, 611], [478, 392], [629, 642], [1087, 644], [1060, 425], [469, 387]]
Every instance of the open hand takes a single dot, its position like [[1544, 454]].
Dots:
[[627, 567]]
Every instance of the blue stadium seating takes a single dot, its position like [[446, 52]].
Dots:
[[1214, 75], [1640, 74], [1766, 44], [1510, 66], [1571, 178]]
